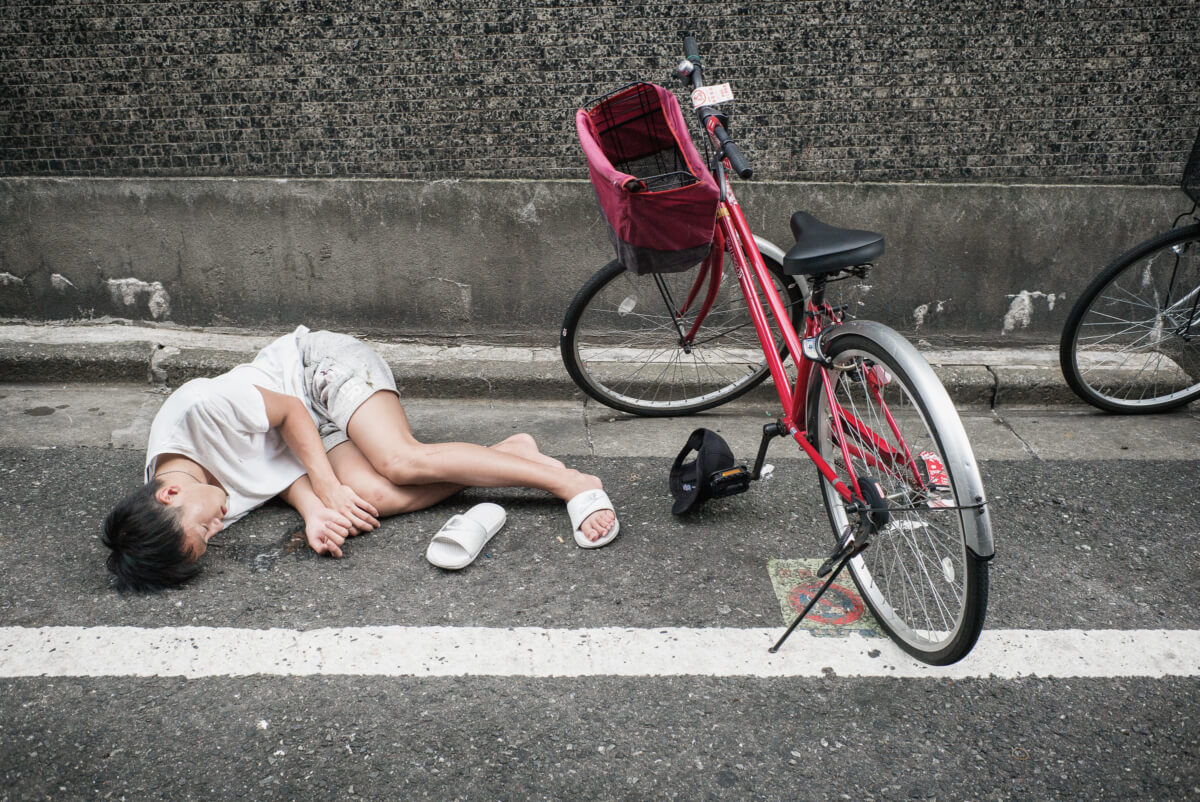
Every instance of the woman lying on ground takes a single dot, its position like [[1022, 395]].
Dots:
[[315, 419]]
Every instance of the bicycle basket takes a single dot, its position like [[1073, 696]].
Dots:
[[1191, 173], [658, 200]]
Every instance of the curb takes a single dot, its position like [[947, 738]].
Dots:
[[171, 356]]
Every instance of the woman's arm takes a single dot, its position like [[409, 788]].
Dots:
[[289, 415]]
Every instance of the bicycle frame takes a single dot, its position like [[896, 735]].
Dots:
[[752, 274], [733, 233]]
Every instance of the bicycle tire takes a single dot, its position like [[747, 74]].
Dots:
[[922, 575], [621, 346], [1131, 343]]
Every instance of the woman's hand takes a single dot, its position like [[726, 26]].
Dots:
[[326, 531], [329, 520], [361, 515]]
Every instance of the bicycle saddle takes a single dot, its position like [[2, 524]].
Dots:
[[822, 248]]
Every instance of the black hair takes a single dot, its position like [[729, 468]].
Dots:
[[147, 542]]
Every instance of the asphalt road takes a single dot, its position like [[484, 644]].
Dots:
[[1102, 539]]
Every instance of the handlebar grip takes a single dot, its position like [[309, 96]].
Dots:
[[690, 48], [737, 161]]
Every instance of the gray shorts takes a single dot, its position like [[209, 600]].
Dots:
[[340, 373]]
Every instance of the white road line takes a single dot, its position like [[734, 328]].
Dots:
[[534, 652]]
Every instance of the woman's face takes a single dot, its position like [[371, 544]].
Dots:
[[202, 510]]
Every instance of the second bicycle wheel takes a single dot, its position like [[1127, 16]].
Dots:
[[621, 340], [922, 574], [1132, 341]]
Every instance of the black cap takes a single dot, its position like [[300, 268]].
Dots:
[[689, 481]]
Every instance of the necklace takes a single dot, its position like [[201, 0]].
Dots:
[[176, 470]]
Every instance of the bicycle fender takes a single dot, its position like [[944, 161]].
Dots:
[[769, 249], [955, 445]]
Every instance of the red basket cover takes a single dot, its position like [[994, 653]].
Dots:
[[653, 230]]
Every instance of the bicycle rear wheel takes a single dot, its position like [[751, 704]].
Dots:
[[1132, 341], [925, 573], [620, 340]]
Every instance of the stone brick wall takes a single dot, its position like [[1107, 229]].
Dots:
[[1046, 91]]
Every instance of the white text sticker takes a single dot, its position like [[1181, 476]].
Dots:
[[711, 95]]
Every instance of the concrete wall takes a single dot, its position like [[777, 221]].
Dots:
[[1048, 91], [502, 259]]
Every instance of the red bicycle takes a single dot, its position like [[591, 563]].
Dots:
[[896, 470]]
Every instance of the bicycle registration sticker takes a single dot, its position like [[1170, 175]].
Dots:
[[711, 95]]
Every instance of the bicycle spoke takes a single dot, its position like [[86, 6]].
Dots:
[[626, 348]]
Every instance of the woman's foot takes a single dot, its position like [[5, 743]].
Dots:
[[599, 523], [595, 526], [523, 445]]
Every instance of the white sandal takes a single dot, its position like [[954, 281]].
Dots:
[[459, 541], [583, 505]]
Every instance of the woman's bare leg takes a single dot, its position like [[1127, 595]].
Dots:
[[380, 430], [353, 468]]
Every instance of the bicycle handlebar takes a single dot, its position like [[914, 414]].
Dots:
[[736, 160], [710, 119]]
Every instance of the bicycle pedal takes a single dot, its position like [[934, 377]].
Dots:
[[729, 482]]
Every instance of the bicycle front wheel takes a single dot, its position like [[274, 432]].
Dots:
[[1132, 341], [925, 573], [621, 340]]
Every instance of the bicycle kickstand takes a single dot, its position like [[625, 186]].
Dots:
[[848, 548]]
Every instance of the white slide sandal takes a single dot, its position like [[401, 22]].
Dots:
[[583, 505], [459, 541]]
